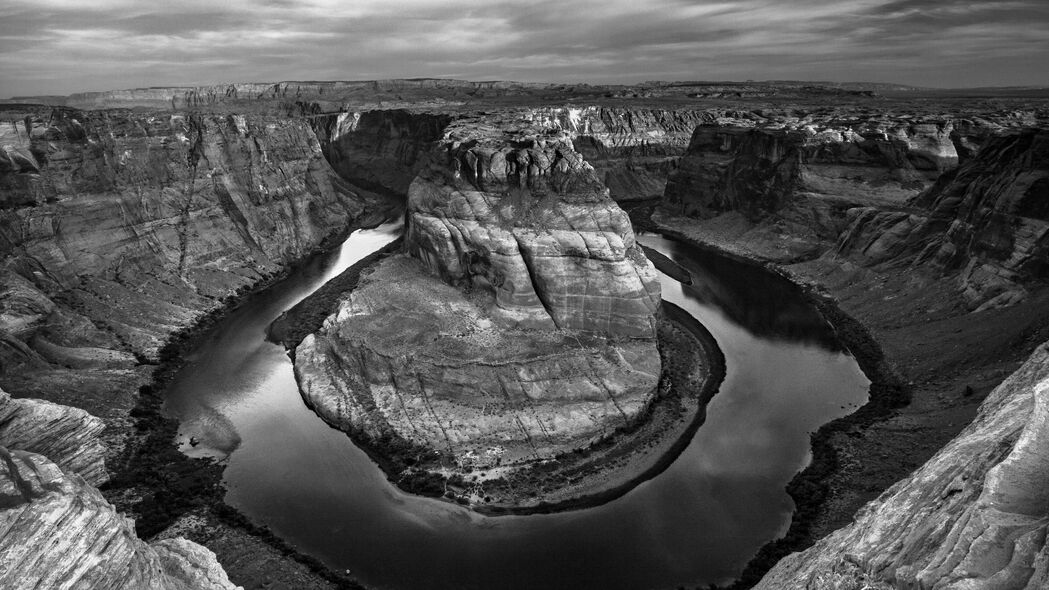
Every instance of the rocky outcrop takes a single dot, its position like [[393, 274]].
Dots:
[[877, 191], [410, 356], [976, 515], [380, 151], [520, 327], [88, 544], [632, 150], [761, 169], [68, 436], [118, 228], [988, 221], [527, 219]]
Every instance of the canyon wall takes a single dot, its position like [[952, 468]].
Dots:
[[51, 457], [962, 194], [974, 516], [118, 229]]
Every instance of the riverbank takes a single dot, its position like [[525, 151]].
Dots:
[[604, 470], [929, 362], [160, 486]]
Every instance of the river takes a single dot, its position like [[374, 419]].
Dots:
[[696, 523]]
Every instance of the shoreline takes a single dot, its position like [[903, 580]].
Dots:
[[307, 316], [167, 485], [809, 488], [851, 332]]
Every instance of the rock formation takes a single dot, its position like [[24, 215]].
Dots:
[[68, 436], [959, 193], [118, 229], [528, 219], [975, 516], [988, 221], [56, 531], [540, 340], [409, 355]]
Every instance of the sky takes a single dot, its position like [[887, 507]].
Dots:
[[65, 46]]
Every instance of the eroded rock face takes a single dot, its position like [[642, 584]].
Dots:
[[88, 544], [956, 195], [988, 221], [69, 436], [761, 168], [409, 355], [118, 229], [521, 324], [379, 150], [976, 515], [529, 220]]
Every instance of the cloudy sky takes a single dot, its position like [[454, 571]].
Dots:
[[63, 46]]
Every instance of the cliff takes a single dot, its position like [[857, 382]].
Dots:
[[523, 325], [118, 229], [973, 516], [88, 544], [958, 193], [987, 222]]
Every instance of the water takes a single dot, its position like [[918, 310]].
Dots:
[[698, 522]]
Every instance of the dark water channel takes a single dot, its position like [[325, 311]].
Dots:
[[698, 522]]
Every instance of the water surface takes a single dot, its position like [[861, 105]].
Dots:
[[698, 522]]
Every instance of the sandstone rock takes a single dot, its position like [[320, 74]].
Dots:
[[145, 220], [976, 515], [68, 436], [528, 219], [56, 531], [411, 356], [988, 221]]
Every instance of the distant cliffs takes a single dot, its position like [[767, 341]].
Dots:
[[961, 195]]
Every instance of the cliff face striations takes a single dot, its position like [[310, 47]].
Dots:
[[541, 337], [974, 516], [88, 544], [529, 220], [987, 221], [962, 194], [118, 229]]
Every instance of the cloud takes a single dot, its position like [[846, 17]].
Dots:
[[63, 46]]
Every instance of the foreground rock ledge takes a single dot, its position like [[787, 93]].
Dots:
[[451, 404]]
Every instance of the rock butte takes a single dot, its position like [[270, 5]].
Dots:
[[121, 227]]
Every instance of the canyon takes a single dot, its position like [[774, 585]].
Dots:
[[128, 225]]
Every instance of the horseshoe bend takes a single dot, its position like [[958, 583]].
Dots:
[[435, 333]]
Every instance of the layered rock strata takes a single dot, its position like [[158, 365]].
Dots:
[[976, 515], [961, 193], [529, 220], [988, 221], [541, 338], [118, 229], [68, 436], [409, 355], [56, 531]]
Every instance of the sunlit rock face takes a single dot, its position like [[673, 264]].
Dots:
[[521, 323], [409, 355], [57, 531], [528, 219], [68, 436], [974, 516]]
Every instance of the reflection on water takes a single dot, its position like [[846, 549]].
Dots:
[[697, 522]]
